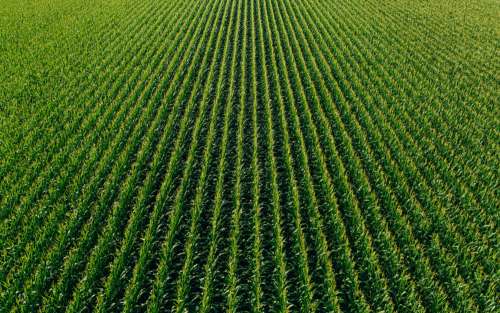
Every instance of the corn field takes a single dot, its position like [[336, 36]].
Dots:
[[249, 156]]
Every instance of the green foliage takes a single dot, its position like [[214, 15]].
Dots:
[[249, 156]]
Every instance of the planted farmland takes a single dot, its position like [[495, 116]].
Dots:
[[249, 156]]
